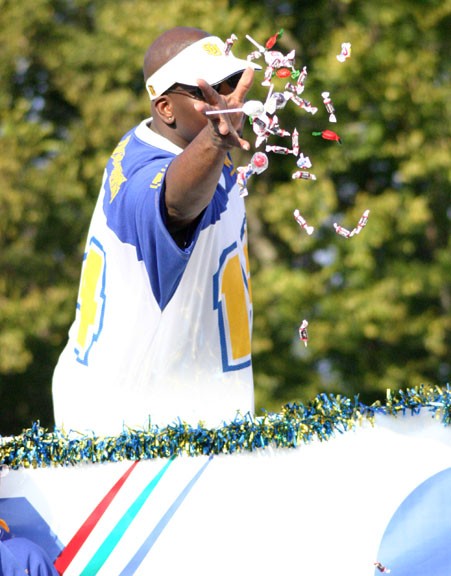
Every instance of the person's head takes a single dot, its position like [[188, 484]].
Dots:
[[172, 65]]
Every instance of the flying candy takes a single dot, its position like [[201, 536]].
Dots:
[[329, 106], [290, 93], [283, 149], [295, 142], [345, 52], [274, 60], [303, 175], [273, 39], [303, 335], [306, 105], [283, 72], [303, 161], [257, 165], [275, 101], [279, 150], [250, 108], [303, 223], [264, 126], [229, 43], [361, 223], [382, 568], [328, 135], [349, 234], [299, 87], [342, 231]]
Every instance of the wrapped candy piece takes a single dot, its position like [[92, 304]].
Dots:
[[262, 129], [279, 150], [257, 165], [283, 72], [345, 52], [273, 58], [361, 223], [303, 175], [285, 150], [382, 568], [295, 142], [307, 106], [350, 233], [297, 88], [303, 223], [329, 106], [264, 126], [276, 61], [303, 334], [259, 162], [275, 101], [254, 55], [342, 231], [300, 84], [290, 93], [328, 135], [273, 39], [303, 162], [229, 43]]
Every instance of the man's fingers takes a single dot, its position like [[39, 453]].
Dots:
[[210, 94], [244, 144], [226, 125], [238, 95], [244, 85]]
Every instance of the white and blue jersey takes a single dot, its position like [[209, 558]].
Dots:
[[161, 332]]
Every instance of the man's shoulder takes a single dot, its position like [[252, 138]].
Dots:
[[139, 146], [137, 160]]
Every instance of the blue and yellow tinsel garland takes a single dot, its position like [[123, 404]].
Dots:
[[296, 424]]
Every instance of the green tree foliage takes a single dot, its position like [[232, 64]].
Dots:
[[377, 304]]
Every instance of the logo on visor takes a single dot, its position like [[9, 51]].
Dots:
[[212, 49]]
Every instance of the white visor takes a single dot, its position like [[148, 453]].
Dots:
[[205, 59]]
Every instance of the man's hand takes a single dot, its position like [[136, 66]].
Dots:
[[227, 126], [193, 175]]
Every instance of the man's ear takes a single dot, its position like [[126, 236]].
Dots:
[[163, 107]]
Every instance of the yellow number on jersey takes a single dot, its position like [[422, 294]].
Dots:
[[91, 300], [234, 305]]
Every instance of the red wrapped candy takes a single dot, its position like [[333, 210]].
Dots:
[[328, 135], [273, 39]]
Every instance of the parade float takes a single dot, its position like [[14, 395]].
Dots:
[[333, 486], [330, 487]]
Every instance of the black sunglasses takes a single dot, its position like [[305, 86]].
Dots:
[[196, 93]]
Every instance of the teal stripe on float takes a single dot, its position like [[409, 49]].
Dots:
[[111, 541]]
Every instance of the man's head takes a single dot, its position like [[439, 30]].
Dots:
[[183, 55], [173, 64], [168, 45]]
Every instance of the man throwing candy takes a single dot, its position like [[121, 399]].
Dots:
[[164, 312]]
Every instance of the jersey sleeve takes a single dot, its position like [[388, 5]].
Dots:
[[165, 261], [136, 216]]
